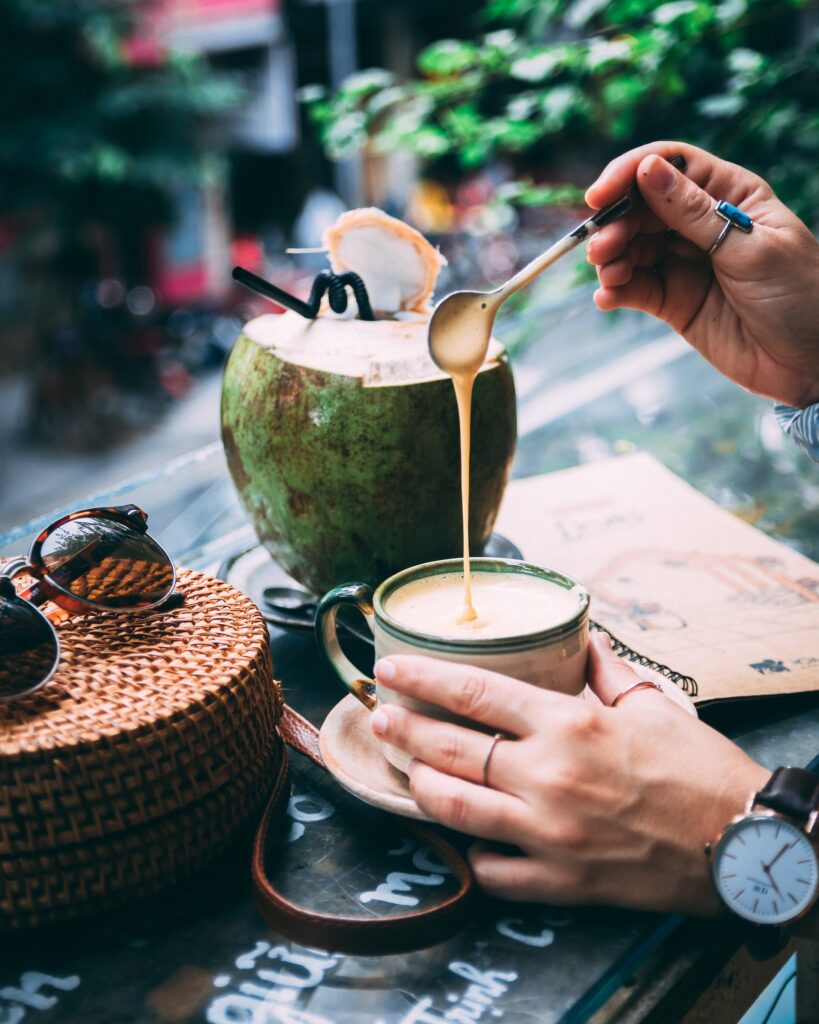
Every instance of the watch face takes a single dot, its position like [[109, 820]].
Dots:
[[765, 869]]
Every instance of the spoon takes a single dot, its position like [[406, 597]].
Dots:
[[462, 322]]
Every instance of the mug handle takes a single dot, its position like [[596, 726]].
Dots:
[[361, 596]]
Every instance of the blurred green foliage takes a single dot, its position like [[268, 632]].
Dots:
[[596, 77], [94, 126]]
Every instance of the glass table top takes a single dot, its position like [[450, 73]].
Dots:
[[201, 952]]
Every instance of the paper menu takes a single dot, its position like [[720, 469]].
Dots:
[[674, 576]]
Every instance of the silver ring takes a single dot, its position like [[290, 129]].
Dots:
[[495, 741], [734, 218], [641, 684], [726, 227]]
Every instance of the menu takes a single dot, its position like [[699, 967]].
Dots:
[[675, 577]]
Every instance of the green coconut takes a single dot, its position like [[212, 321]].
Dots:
[[342, 440]]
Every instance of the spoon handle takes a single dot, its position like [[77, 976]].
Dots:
[[581, 233], [540, 263]]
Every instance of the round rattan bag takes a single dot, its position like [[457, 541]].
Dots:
[[155, 741]]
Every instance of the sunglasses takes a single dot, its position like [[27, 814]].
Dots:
[[100, 559]]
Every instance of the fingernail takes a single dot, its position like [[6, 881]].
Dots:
[[385, 671], [659, 174], [379, 723], [412, 766]]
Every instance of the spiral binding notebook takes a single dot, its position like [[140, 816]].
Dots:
[[684, 587]]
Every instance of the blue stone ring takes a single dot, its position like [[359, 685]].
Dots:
[[734, 218]]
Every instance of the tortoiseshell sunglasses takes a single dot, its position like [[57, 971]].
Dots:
[[99, 559]]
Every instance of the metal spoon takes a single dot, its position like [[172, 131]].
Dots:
[[462, 322]]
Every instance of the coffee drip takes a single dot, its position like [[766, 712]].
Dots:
[[458, 343]]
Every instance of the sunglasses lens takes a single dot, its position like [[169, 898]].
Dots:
[[28, 648], [107, 563]]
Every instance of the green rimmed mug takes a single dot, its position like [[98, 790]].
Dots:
[[553, 658]]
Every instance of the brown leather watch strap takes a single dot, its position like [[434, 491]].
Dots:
[[355, 935], [791, 791]]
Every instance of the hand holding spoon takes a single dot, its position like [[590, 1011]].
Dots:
[[462, 322], [459, 334]]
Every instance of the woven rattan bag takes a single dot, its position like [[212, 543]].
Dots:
[[155, 741]]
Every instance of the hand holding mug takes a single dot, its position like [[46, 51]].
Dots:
[[548, 650], [751, 307], [605, 805]]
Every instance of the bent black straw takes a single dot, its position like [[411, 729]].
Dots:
[[336, 287], [272, 291], [326, 281]]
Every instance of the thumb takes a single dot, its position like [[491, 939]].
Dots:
[[608, 673], [678, 202]]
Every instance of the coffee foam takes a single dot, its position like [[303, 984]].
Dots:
[[379, 352], [508, 605]]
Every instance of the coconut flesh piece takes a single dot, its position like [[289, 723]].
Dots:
[[397, 264]]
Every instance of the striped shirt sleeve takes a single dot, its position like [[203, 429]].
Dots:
[[802, 425]]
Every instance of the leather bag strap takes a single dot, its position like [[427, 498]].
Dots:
[[354, 935]]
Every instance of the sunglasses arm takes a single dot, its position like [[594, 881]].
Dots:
[[15, 567]]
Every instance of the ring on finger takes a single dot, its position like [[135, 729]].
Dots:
[[734, 218], [495, 741], [642, 684]]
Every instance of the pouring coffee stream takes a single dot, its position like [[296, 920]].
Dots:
[[461, 327]]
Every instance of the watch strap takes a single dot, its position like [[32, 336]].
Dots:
[[764, 941], [791, 791]]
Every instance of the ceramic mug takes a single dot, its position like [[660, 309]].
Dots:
[[553, 658]]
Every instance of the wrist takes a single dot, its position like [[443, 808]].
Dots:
[[738, 787], [764, 863]]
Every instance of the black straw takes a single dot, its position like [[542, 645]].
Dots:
[[272, 291], [326, 281]]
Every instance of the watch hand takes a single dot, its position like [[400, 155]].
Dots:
[[773, 883], [787, 846]]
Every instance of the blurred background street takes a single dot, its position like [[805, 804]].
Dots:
[[150, 145]]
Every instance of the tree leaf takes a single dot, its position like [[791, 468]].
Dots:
[[537, 63], [448, 57], [724, 105]]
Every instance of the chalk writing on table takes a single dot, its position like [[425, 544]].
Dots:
[[397, 888], [268, 995], [28, 994], [275, 1001], [304, 809], [535, 926], [475, 1003]]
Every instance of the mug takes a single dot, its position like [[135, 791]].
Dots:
[[553, 658]]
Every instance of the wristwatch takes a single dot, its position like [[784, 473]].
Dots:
[[765, 864]]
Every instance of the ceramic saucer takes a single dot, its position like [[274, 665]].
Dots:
[[353, 756]]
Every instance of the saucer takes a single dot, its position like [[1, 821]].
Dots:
[[354, 757]]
